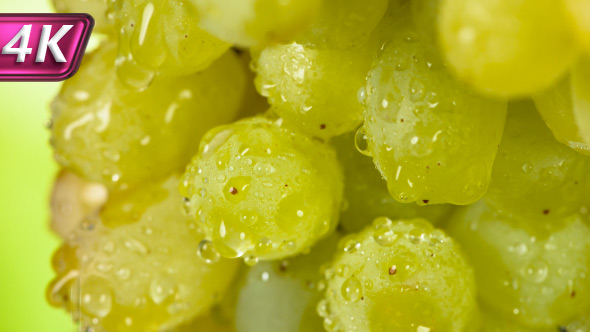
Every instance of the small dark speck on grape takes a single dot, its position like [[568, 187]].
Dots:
[[425, 201], [438, 164], [283, 266], [362, 298], [562, 329], [185, 36], [233, 190], [573, 294], [392, 270], [286, 185], [322, 126], [401, 120], [546, 211]]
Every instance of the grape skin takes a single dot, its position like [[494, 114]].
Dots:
[[506, 47], [136, 268], [282, 295], [529, 270], [403, 276], [343, 24], [263, 191], [431, 138], [163, 36], [72, 200], [555, 106], [365, 192], [535, 176], [119, 137], [305, 87], [255, 23]]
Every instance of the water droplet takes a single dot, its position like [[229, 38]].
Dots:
[[161, 288], [351, 245], [361, 95], [342, 270], [96, 297], [536, 271], [249, 218], [136, 246], [361, 142], [250, 260], [123, 273], [207, 252], [263, 246], [351, 289], [384, 236]]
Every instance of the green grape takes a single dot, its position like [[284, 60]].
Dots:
[[342, 24], [530, 270], [283, 295], [306, 88], [161, 36], [263, 191], [507, 47], [401, 276], [120, 137], [579, 11], [103, 18], [433, 140], [365, 192], [256, 22], [555, 106], [535, 176], [142, 266], [72, 200]]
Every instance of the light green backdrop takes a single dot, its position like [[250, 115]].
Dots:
[[26, 172]]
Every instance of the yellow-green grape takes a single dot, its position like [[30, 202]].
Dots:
[[263, 191], [120, 137], [342, 24], [433, 140], [142, 266], [72, 200], [507, 47], [283, 295], [365, 192], [565, 107], [401, 276], [162, 36], [580, 15], [256, 22], [533, 271], [306, 87], [103, 18], [556, 108], [535, 176]]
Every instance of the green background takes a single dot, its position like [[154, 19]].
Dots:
[[26, 174]]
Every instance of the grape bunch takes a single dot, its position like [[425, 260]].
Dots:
[[323, 165]]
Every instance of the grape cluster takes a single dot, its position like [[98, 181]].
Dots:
[[324, 165]]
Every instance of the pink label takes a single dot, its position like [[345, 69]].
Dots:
[[42, 47]]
